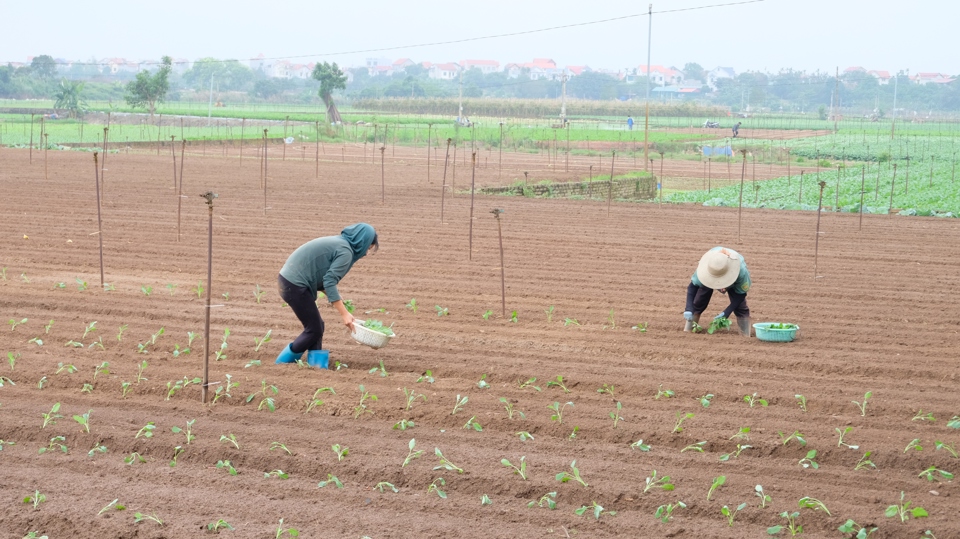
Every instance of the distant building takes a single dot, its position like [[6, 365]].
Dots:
[[448, 71], [883, 77], [661, 76], [485, 66], [931, 78], [718, 73]]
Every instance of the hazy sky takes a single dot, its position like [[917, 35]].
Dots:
[[767, 35]]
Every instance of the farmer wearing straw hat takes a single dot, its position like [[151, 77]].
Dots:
[[317, 266], [721, 269]]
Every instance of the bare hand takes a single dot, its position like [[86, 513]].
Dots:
[[348, 320]]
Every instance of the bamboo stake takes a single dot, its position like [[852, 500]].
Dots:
[[96, 171], [209, 195], [173, 152], [183, 149], [472, 184], [816, 246], [443, 189], [503, 279], [743, 174], [892, 182], [383, 185], [613, 160], [863, 179], [242, 122]]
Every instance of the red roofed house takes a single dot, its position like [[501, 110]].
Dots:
[[485, 66], [931, 78], [448, 71], [401, 65], [883, 77], [660, 75]]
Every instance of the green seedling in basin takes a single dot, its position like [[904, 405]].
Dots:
[[641, 327], [42, 382], [340, 451], [933, 473], [435, 487], [558, 382], [140, 369], [444, 463], [221, 353], [549, 311], [862, 406], [103, 368], [663, 483], [742, 434], [75, 344], [665, 512], [573, 434], [548, 500], [595, 508], [855, 530], [171, 287], [954, 422], [564, 477], [731, 514], [84, 421], [35, 500], [87, 388], [81, 284], [410, 396], [101, 449], [37, 341], [904, 511], [520, 470]]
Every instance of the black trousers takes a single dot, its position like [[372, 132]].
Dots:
[[304, 305], [698, 298]]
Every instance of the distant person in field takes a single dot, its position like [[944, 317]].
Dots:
[[736, 129], [318, 266], [630, 123], [724, 270]]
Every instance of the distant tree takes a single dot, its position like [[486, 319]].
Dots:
[[415, 70], [44, 66], [147, 90], [331, 78], [592, 85], [69, 98], [694, 71], [267, 88], [228, 74]]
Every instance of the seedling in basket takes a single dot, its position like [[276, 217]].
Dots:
[[435, 487], [681, 417], [56, 443], [84, 421], [662, 483], [718, 324], [187, 431], [932, 472], [595, 508], [226, 465], [754, 400], [558, 411], [36, 499], [665, 512], [731, 514], [520, 470], [444, 463], [231, 439], [564, 477], [529, 383], [666, 393], [795, 436], [904, 511], [558, 382], [615, 415], [857, 531], [549, 500], [315, 401], [361, 408], [52, 416], [764, 497], [140, 517], [262, 340], [863, 405]]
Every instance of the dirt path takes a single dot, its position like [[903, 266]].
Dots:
[[878, 319]]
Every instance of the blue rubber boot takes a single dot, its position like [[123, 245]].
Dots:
[[287, 356], [319, 359]]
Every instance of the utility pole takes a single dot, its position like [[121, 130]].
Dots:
[[646, 121]]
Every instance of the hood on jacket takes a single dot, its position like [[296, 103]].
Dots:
[[360, 236]]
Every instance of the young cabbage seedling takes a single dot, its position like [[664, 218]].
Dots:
[[444, 463], [740, 449], [549, 500], [56, 443], [641, 327], [705, 400], [435, 487], [140, 368], [667, 393], [717, 483], [930, 474], [732, 514], [52, 416], [524, 436], [596, 508], [843, 433], [904, 511], [529, 383], [558, 411], [792, 526], [558, 382], [609, 389], [413, 453], [698, 447], [472, 423], [262, 340], [615, 415], [42, 382], [315, 401], [226, 465], [482, 383], [140, 517], [91, 327], [186, 431], [857, 531], [279, 474], [267, 400], [69, 368], [864, 462], [808, 462], [84, 421], [412, 305], [754, 399], [147, 290], [361, 408], [404, 424], [223, 390], [513, 317], [340, 451], [221, 353], [171, 287], [863, 405], [278, 445], [81, 284], [426, 377], [258, 293], [383, 485], [549, 311], [281, 531], [795, 436], [458, 406], [485, 500], [442, 311], [665, 512], [134, 458], [487, 314], [520, 470], [640, 445], [662, 483], [812, 503], [12, 359], [221, 524], [920, 416], [120, 333], [381, 369], [947, 447], [177, 451], [680, 419], [231, 438], [564, 477], [764, 497], [103, 368], [198, 290], [914, 444], [35, 500], [112, 505], [571, 322], [742, 434], [46, 328]]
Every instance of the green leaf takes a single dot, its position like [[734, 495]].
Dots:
[[919, 512]]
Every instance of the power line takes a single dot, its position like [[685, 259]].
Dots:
[[470, 39]]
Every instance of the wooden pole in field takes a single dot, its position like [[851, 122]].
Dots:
[[443, 189], [613, 159], [183, 149], [242, 122], [892, 182], [660, 180], [265, 139], [383, 184], [209, 195], [103, 161], [96, 171], [836, 200], [472, 185], [46, 143], [503, 278], [31, 139], [453, 171], [500, 147], [800, 196], [816, 245], [428, 151], [159, 131], [743, 174], [173, 152], [863, 179]]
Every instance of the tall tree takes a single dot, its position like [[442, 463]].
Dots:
[[331, 78], [147, 90], [44, 66], [694, 71], [69, 98], [229, 74]]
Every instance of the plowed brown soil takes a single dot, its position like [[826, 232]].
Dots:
[[879, 317]]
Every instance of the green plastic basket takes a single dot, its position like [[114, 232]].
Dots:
[[764, 333]]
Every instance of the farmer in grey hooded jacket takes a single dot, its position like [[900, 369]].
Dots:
[[318, 266]]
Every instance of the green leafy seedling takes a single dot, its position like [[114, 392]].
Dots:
[[698, 447], [36, 499], [808, 461], [226, 465], [91, 327], [571, 322], [732, 514], [857, 531], [513, 317], [812, 503], [946, 447], [795, 436], [666, 393], [640, 445], [445, 463], [529, 383], [681, 417], [279, 474], [509, 406], [426, 377], [718, 324], [524, 436], [413, 453], [262, 340], [187, 431], [665, 512], [487, 314], [717, 483], [705, 400], [914, 444], [177, 451], [548, 500], [220, 524], [485, 500], [56, 443], [792, 526], [340, 451], [315, 401], [147, 290], [764, 497], [258, 293], [557, 409], [920, 416], [435, 487], [520, 470], [383, 485], [549, 312], [458, 406], [12, 359], [442, 311], [609, 389], [663, 483], [862, 406], [114, 505], [595, 508], [558, 382], [51, 417], [134, 458], [231, 439], [84, 421], [843, 433], [281, 531], [140, 517], [362, 408], [380, 369], [932, 473], [754, 400], [412, 305], [864, 462], [904, 511], [564, 477], [472, 423]]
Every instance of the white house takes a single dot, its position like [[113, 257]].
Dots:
[[718, 73], [448, 71]]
